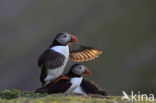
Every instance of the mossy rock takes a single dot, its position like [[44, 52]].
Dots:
[[17, 96], [15, 93]]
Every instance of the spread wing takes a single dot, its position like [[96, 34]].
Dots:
[[51, 59], [79, 53]]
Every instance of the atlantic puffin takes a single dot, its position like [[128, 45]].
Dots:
[[54, 59], [66, 83]]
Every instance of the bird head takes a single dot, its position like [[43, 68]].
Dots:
[[65, 38], [79, 70]]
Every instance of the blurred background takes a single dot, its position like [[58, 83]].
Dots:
[[124, 29]]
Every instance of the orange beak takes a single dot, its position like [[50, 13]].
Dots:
[[73, 39], [88, 72]]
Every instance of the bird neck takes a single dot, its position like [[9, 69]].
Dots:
[[71, 75]]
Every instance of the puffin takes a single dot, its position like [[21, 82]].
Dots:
[[66, 83], [54, 59], [87, 87]]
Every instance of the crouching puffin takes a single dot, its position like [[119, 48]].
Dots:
[[54, 59], [66, 83]]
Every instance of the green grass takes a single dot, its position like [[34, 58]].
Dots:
[[17, 96]]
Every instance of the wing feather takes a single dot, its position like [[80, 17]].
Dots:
[[51, 59], [79, 53]]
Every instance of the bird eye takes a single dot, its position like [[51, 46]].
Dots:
[[65, 36], [80, 67]]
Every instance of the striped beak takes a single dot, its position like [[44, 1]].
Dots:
[[73, 39], [87, 71]]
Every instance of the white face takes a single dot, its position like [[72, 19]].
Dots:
[[79, 70], [64, 38]]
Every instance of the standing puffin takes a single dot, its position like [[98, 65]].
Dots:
[[66, 83], [54, 59]]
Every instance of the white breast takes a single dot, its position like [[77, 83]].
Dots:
[[55, 73], [76, 81], [64, 50], [79, 90]]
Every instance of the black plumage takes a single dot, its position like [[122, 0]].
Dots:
[[59, 87], [90, 87], [51, 59]]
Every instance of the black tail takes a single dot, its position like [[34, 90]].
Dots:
[[43, 75], [102, 93]]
